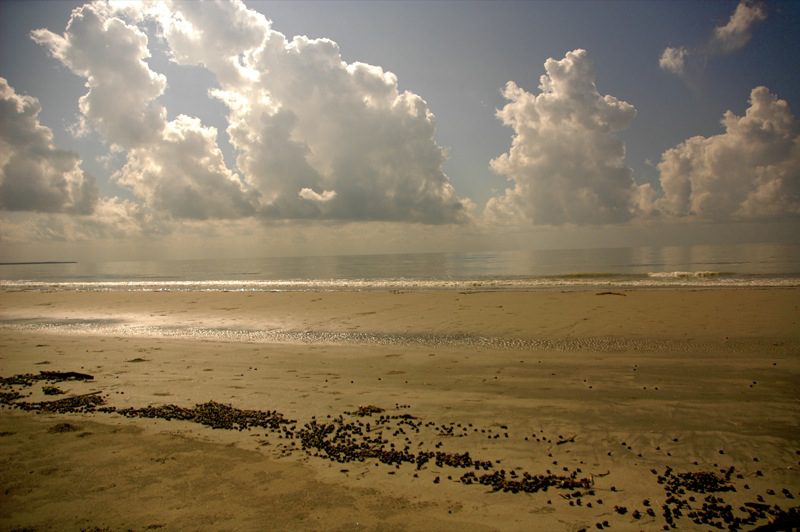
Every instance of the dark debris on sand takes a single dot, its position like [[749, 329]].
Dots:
[[211, 414], [27, 379], [366, 410], [526, 482], [80, 404], [63, 427], [714, 511], [363, 435]]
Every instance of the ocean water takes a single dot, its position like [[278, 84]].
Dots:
[[587, 269], [753, 265]]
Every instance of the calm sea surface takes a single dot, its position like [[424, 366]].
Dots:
[[645, 267]]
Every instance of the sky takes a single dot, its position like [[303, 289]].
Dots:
[[134, 130]]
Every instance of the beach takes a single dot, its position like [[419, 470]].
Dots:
[[631, 407], [399, 266]]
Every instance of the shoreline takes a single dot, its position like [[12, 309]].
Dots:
[[712, 405], [567, 283]]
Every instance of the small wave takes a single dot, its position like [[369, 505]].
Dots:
[[686, 275], [589, 275]]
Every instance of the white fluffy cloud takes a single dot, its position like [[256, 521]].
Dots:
[[220, 35], [673, 59], [175, 166], [751, 171], [110, 54], [568, 167], [308, 194], [185, 174], [35, 175], [735, 34], [565, 161], [317, 138]]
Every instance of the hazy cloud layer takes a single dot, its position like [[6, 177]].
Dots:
[[565, 162], [685, 61], [750, 171], [111, 219], [34, 174], [316, 137]]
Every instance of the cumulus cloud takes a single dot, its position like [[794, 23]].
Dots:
[[315, 137], [219, 35], [175, 167], [302, 119], [673, 59], [310, 195], [35, 175], [751, 171], [185, 174], [731, 36], [110, 54], [565, 162], [736, 33], [318, 138]]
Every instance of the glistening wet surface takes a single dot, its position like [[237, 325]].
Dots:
[[135, 329]]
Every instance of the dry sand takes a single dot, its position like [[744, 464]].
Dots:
[[695, 381]]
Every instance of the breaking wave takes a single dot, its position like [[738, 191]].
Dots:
[[686, 275]]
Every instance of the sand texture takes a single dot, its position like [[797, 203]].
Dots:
[[400, 411]]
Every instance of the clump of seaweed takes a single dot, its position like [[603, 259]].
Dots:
[[715, 510], [211, 414], [27, 379], [366, 410], [79, 404], [526, 482]]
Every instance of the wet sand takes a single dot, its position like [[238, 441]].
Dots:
[[609, 388]]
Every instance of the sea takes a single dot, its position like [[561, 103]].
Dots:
[[705, 266]]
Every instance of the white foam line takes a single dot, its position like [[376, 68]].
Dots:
[[651, 280]]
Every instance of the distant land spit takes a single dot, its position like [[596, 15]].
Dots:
[[38, 262]]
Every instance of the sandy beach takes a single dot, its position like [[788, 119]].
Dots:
[[633, 408]]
